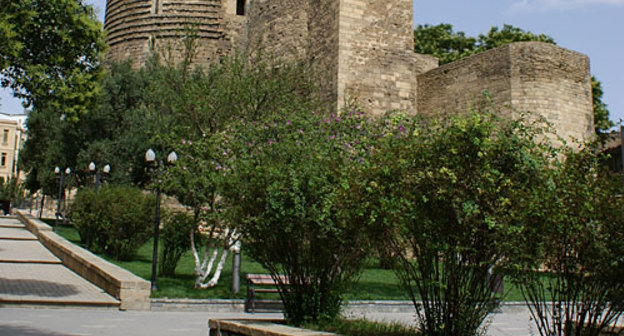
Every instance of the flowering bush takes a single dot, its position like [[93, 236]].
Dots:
[[287, 194], [442, 194], [571, 264]]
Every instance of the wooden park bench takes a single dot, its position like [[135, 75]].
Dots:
[[260, 283]]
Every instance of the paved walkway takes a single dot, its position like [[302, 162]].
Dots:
[[32, 275], [56, 322], [513, 321]]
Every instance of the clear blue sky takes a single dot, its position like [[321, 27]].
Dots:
[[592, 27]]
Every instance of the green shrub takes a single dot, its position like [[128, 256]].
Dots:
[[573, 232], [12, 190], [129, 215], [175, 239], [116, 221], [86, 217], [441, 194]]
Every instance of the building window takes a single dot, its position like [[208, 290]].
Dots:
[[156, 7], [5, 136], [240, 7], [3, 160]]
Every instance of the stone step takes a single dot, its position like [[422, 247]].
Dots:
[[16, 233], [48, 284], [26, 251]]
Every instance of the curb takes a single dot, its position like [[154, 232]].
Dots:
[[356, 307]]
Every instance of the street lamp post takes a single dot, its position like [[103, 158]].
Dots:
[[150, 158], [61, 176], [99, 174]]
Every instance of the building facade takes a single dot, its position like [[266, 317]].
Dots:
[[362, 51], [12, 137]]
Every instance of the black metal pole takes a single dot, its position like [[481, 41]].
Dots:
[[66, 195], [97, 181], [58, 203], [41, 206], [156, 234]]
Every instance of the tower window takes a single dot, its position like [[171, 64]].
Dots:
[[5, 136], [3, 160], [240, 7]]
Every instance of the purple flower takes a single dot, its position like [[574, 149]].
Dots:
[[300, 131], [183, 142], [271, 141], [288, 122]]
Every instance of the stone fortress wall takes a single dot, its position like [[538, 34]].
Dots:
[[363, 50]]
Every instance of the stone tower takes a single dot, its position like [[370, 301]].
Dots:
[[363, 50], [135, 26]]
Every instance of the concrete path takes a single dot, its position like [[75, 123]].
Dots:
[[32, 278], [32, 275], [56, 322], [513, 321]]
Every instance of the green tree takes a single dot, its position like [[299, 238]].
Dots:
[[192, 111], [114, 132], [49, 53], [497, 37], [443, 42], [448, 46]]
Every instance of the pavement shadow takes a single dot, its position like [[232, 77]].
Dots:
[[36, 288], [26, 331]]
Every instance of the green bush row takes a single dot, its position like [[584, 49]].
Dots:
[[116, 221]]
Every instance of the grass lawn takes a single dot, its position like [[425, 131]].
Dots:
[[374, 283]]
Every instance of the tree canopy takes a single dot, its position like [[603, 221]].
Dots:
[[49, 53], [449, 45]]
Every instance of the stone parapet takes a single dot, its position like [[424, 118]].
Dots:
[[540, 78], [257, 328], [132, 292]]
